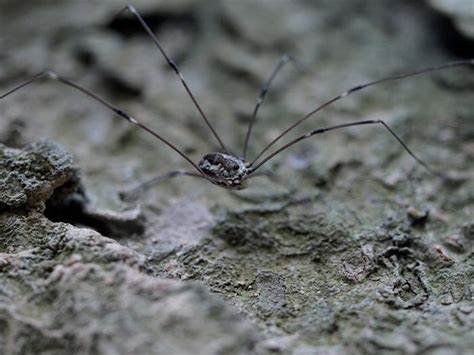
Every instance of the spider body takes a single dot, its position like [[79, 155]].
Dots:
[[225, 170]]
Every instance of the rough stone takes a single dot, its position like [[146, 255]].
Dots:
[[30, 176], [336, 255]]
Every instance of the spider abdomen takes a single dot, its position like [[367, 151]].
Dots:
[[224, 169]]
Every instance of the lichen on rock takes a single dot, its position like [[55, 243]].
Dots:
[[29, 176]]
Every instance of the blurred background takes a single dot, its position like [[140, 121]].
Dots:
[[357, 178], [226, 49]]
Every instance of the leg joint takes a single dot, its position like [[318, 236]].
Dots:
[[51, 74], [131, 8]]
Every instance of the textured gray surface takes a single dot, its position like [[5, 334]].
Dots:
[[30, 176], [346, 264], [460, 11]]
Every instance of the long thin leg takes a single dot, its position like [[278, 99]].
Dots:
[[52, 75], [263, 93], [345, 125], [270, 175], [130, 194], [358, 88], [175, 68]]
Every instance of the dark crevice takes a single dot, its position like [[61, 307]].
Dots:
[[120, 88], [72, 212], [13, 136], [449, 37], [74, 208], [128, 26], [85, 57], [229, 28], [237, 72]]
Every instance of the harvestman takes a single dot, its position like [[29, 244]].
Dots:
[[224, 168]]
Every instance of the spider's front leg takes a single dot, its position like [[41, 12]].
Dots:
[[49, 74], [323, 130], [286, 58], [134, 193], [174, 67]]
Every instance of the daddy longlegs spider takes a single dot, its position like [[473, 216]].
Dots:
[[224, 168]]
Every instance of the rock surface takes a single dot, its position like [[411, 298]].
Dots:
[[354, 249], [31, 175], [461, 11]]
